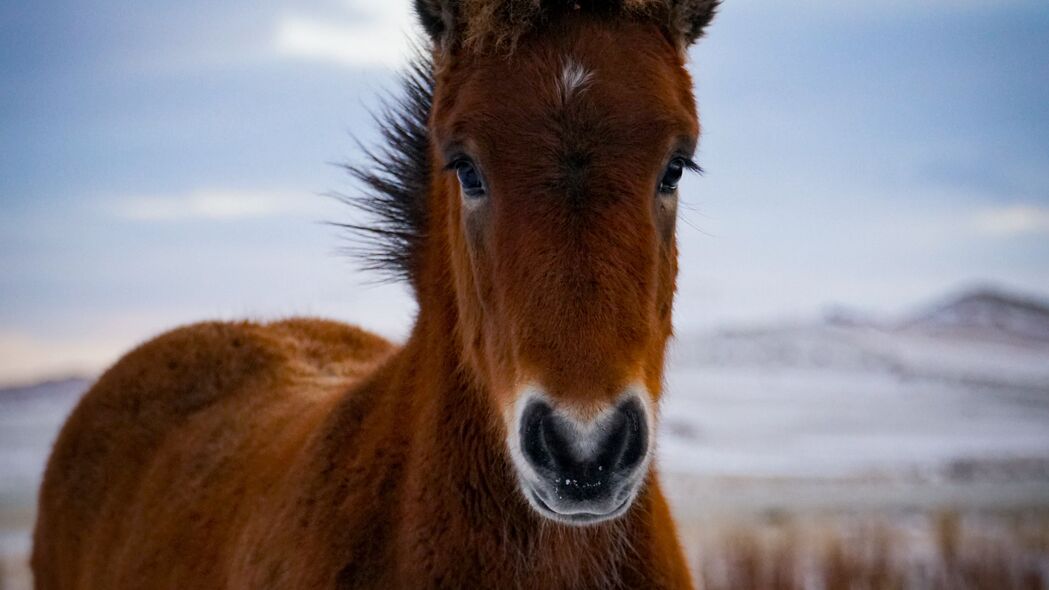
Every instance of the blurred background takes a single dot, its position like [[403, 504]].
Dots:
[[859, 391]]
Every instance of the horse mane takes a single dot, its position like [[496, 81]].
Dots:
[[483, 24], [396, 178]]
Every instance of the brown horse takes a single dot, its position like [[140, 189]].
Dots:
[[528, 192]]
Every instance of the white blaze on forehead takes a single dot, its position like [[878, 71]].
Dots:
[[574, 78]]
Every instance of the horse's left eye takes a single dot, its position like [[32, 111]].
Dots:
[[469, 179], [672, 176]]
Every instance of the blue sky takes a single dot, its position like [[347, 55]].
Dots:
[[162, 163]]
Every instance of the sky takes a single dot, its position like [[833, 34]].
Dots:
[[163, 163]]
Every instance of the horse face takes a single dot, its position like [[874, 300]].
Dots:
[[564, 158]]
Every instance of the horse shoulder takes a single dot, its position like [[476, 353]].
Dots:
[[196, 393]]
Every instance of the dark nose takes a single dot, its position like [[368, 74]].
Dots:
[[584, 462]]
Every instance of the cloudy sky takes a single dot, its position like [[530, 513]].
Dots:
[[162, 162]]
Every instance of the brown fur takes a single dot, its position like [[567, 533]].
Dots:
[[308, 454]]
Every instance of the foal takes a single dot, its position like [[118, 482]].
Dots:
[[528, 193]]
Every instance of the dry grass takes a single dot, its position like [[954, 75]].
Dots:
[[941, 553]]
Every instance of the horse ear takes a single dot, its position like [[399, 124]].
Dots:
[[691, 17], [437, 17]]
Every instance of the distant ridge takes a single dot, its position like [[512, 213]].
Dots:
[[983, 338], [988, 311], [71, 387]]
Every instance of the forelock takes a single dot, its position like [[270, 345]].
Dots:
[[501, 23]]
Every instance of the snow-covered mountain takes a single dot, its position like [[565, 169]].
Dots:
[[58, 389], [985, 313], [980, 337], [964, 381]]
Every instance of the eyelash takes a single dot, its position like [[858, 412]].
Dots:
[[690, 164], [457, 161]]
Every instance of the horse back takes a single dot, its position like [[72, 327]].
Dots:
[[162, 456]]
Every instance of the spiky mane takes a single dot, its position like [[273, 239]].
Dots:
[[396, 178], [483, 24], [500, 23]]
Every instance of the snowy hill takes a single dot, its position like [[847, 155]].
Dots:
[[960, 387], [985, 314], [979, 338]]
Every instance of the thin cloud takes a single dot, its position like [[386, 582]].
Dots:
[[378, 36], [1014, 220], [215, 205]]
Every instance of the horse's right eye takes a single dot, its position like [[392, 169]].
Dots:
[[469, 180], [672, 175]]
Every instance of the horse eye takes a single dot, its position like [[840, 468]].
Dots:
[[672, 176], [469, 179]]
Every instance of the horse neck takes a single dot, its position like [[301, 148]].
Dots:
[[456, 438], [458, 492]]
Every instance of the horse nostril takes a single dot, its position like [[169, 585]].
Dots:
[[628, 441], [544, 440], [534, 443], [559, 448]]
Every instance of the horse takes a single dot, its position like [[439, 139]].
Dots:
[[527, 192]]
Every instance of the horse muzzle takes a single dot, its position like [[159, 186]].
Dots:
[[582, 472]]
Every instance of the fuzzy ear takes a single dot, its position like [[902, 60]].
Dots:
[[691, 17], [437, 17]]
